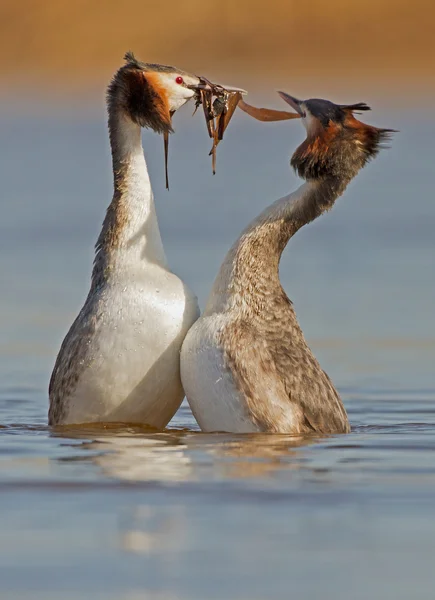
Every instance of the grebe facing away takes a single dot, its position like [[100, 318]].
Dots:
[[245, 364], [120, 359]]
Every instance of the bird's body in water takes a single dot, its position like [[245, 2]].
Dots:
[[120, 358], [245, 364]]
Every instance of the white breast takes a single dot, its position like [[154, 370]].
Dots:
[[208, 383], [131, 371]]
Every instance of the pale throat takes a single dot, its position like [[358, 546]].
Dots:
[[251, 267], [133, 201]]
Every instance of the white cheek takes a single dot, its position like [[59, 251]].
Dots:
[[308, 121], [177, 93], [179, 96]]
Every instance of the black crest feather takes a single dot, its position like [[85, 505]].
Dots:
[[133, 62], [359, 106], [130, 58]]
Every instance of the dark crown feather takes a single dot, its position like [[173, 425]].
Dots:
[[130, 59]]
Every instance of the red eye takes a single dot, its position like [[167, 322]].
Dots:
[[179, 80]]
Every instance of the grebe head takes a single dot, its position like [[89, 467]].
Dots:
[[149, 93], [337, 144]]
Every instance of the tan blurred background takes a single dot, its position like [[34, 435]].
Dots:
[[76, 45]]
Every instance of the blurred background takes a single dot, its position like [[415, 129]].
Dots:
[[76, 46], [179, 515]]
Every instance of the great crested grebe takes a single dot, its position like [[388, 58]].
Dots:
[[245, 365], [120, 361]]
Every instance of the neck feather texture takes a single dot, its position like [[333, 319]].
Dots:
[[249, 276], [130, 234]]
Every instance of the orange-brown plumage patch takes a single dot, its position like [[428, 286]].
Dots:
[[369, 137], [144, 99], [319, 140], [159, 96], [352, 123]]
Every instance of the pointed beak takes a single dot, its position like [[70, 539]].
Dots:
[[203, 84], [198, 86], [294, 102]]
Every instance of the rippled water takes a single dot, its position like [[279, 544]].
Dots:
[[128, 513]]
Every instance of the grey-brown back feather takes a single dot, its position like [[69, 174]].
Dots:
[[74, 356], [268, 345]]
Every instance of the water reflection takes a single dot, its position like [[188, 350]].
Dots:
[[153, 530], [128, 454], [253, 456], [141, 459]]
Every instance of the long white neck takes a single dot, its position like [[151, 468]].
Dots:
[[249, 276], [130, 235]]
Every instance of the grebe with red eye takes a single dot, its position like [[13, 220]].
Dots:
[[120, 359], [245, 364]]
